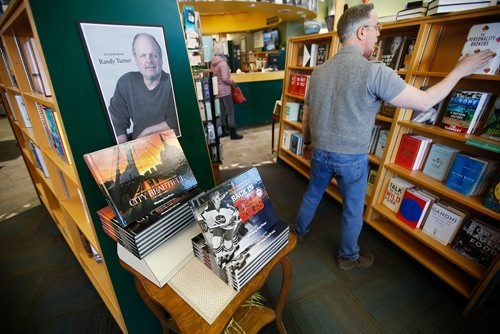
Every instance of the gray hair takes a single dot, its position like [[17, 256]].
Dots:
[[352, 19], [218, 49], [151, 37]]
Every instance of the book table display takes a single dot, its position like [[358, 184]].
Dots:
[[185, 319], [431, 46]]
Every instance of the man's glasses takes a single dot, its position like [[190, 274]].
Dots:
[[377, 26]]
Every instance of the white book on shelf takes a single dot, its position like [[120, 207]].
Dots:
[[23, 111], [43, 74], [443, 222]]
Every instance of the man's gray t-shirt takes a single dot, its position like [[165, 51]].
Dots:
[[344, 97]]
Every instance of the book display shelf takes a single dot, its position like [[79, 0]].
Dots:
[[34, 116], [438, 45]]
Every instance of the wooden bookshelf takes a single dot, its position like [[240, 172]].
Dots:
[[60, 192], [439, 40]]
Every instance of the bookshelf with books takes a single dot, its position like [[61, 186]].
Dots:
[[72, 122], [438, 46], [34, 116]]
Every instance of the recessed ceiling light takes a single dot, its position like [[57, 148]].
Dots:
[[283, 11], [251, 5], [300, 12]]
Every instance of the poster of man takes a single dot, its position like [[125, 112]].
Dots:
[[132, 70], [392, 48]]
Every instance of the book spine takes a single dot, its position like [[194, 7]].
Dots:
[[23, 61], [44, 125]]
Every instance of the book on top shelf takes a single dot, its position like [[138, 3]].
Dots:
[[395, 192], [234, 215], [478, 241], [491, 127], [481, 37], [447, 6], [443, 222], [141, 175], [439, 161], [392, 49], [463, 110]]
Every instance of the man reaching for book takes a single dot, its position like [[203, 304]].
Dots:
[[344, 96]]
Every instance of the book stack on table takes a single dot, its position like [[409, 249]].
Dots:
[[240, 230]]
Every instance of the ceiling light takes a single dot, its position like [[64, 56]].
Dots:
[[300, 12], [284, 11], [251, 5]]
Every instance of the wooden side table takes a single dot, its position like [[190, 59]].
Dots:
[[186, 320]]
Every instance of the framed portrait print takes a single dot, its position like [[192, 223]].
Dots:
[[131, 68]]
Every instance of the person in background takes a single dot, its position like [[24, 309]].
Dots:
[[343, 99], [144, 98], [224, 83]]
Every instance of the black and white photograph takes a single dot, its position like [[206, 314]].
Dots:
[[392, 48], [131, 67]]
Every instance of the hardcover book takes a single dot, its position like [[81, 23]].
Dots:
[[447, 6], [478, 241], [414, 207], [484, 36], [395, 192], [430, 116], [43, 75], [491, 127], [296, 143], [287, 138], [33, 67], [381, 142], [372, 176], [292, 111], [492, 199], [439, 161], [466, 174], [322, 54], [392, 49], [141, 175], [387, 109], [408, 150], [53, 126], [463, 110], [23, 111], [443, 222], [234, 215]]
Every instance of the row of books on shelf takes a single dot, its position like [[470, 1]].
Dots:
[[378, 140], [149, 206], [50, 124], [465, 174], [419, 209], [299, 83], [396, 51], [415, 9], [313, 54], [293, 141]]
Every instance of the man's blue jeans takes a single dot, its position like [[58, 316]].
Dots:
[[351, 171]]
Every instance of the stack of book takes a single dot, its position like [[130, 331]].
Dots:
[[447, 6], [147, 183], [415, 206], [296, 143], [146, 234], [413, 10], [439, 161], [240, 228], [443, 222], [464, 111], [412, 151], [299, 83], [470, 176]]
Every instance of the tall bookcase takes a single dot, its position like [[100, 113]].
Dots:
[[83, 124], [439, 41], [59, 188]]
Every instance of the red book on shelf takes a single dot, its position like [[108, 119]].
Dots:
[[302, 84], [294, 88], [408, 151]]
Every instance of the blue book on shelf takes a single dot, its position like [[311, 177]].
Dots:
[[439, 161], [465, 174], [54, 131]]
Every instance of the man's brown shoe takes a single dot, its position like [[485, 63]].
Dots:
[[365, 260]]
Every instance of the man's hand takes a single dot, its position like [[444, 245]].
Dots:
[[469, 63], [163, 126], [307, 151]]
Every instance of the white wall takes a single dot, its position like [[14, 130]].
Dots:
[[383, 7]]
